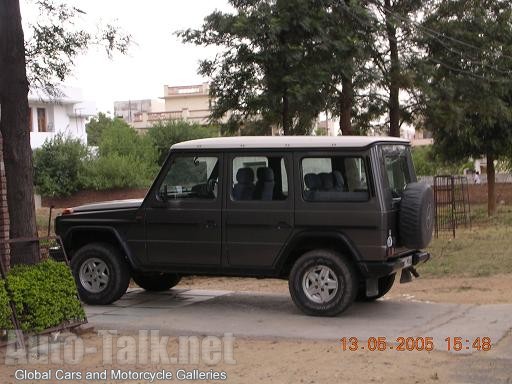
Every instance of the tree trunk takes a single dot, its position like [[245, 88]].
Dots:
[[16, 134], [346, 100], [491, 187], [286, 114], [394, 74]]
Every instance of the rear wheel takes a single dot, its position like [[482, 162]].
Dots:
[[100, 272], [156, 282], [323, 283], [385, 285]]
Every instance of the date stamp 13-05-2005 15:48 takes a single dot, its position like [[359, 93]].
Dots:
[[403, 344]]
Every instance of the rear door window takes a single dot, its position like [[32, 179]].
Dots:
[[337, 178]]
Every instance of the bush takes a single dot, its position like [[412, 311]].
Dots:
[[165, 134], [58, 166], [125, 160], [428, 162], [44, 295], [117, 171], [5, 309]]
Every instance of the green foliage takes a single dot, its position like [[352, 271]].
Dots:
[[5, 309], [165, 134], [44, 295], [58, 166], [98, 124], [125, 159], [428, 162], [467, 87], [278, 60], [117, 171]]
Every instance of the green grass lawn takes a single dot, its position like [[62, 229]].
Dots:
[[483, 250]]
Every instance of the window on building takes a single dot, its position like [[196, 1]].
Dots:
[[259, 178], [192, 177], [339, 178], [41, 120]]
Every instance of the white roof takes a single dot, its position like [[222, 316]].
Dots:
[[288, 142]]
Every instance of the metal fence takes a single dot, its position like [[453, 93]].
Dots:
[[451, 196]]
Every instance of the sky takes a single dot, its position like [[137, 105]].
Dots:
[[157, 56]]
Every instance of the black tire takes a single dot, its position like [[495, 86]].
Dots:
[[385, 285], [156, 282], [416, 217], [118, 273], [342, 268]]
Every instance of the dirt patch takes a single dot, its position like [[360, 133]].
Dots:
[[462, 290], [284, 361], [281, 361]]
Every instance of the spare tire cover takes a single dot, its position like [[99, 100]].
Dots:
[[416, 217]]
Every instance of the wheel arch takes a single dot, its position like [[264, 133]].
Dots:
[[307, 241], [79, 236]]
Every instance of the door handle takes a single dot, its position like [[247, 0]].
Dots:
[[283, 225], [210, 224]]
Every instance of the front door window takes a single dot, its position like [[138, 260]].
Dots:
[[191, 177]]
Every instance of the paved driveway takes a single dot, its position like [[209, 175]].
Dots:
[[206, 312]]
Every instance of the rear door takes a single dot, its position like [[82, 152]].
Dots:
[[335, 192], [258, 215]]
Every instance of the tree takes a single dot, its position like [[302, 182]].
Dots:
[[163, 135], [351, 32], [277, 63], [15, 133], [393, 52], [467, 86], [49, 55], [98, 124]]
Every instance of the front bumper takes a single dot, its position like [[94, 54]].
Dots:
[[375, 269]]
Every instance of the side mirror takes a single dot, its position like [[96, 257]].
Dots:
[[163, 194]]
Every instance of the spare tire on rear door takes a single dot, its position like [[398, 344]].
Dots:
[[416, 217]]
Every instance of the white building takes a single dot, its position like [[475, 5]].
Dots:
[[65, 114], [190, 103]]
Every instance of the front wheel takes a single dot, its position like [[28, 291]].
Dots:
[[323, 283], [101, 274], [156, 282]]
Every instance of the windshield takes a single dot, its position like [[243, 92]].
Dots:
[[397, 168]]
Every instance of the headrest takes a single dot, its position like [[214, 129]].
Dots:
[[312, 181], [245, 175], [265, 174], [327, 180], [339, 182]]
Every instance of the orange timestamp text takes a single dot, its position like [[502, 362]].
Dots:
[[403, 343]]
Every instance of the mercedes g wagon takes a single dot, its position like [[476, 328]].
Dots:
[[339, 217]]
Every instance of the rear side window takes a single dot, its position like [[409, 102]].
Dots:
[[337, 178], [259, 178], [397, 168]]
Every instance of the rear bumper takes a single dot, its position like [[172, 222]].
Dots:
[[383, 268]]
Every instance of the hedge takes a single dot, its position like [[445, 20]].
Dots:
[[44, 296], [5, 308]]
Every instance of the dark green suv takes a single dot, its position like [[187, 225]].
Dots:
[[338, 217]]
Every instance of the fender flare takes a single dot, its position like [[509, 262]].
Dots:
[[316, 235], [84, 228]]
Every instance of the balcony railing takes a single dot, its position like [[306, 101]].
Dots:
[[171, 115]]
